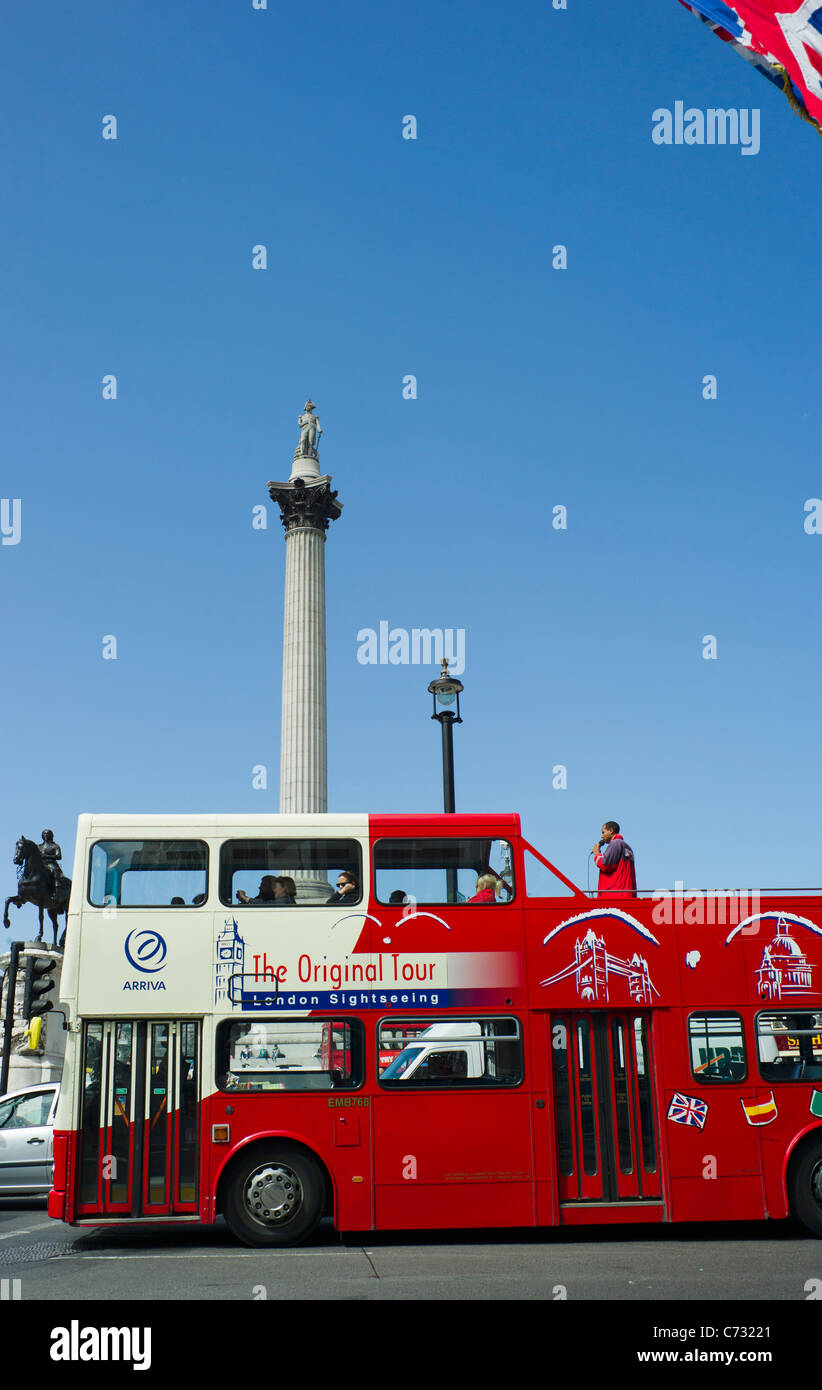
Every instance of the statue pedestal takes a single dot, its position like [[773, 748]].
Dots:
[[305, 466]]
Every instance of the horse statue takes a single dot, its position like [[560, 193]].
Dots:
[[42, 882]]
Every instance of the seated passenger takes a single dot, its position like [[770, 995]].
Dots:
[[486, 889], [265, 897], [285, 891], [397, 897], [178, 902], [348, 889]]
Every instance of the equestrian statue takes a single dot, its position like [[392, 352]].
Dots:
[[41, 881]]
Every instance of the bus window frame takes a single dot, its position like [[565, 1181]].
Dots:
[[505, 901], [353, 840], [804, 1080], [221, 1050], [147, 907], [470, 1083], [702, 1079]]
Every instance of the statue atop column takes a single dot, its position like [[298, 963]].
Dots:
[[306, 499], [310, 431]]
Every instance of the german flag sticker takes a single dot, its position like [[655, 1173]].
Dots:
[[759, 1111]]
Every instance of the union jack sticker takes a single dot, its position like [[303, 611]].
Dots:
[[687, 1110]]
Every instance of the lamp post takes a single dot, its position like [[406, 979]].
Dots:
[[445, 691]]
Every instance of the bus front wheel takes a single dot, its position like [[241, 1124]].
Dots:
[[274, 1197], [806, 1189]]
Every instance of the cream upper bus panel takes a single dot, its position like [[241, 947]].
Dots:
[[148, 945], [145, 963], [115, 872], [78, 873]]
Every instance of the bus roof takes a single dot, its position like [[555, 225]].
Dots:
[[92, 822]]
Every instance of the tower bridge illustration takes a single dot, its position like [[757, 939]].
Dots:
[[594, 966], [785, 968]]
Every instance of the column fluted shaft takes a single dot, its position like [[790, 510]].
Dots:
[[304, 745]]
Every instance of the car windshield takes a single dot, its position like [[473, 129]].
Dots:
[[401, 1064]]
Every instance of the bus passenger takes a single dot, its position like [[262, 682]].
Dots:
[[486, 889], [616, 864], [266, 895], [348, 889], [285, 891]]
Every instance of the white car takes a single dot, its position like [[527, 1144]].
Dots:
[[26, 1140]]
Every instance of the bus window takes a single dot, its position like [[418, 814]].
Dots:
[[464, 1052], [289, 1055], [148, 873], [443, 871], [312, 865], [790, 1046], [717, 1044]]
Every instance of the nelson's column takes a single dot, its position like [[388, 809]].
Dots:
[[307, 504]]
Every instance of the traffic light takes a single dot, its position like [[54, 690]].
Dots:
[[36, 983], [34, 1035]]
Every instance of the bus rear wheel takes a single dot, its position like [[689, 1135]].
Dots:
[[274, 1197], [806, 1189]]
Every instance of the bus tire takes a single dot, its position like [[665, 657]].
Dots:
[[274, 1196], [806, 1188]]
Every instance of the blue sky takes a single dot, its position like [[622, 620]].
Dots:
[[536, 387]]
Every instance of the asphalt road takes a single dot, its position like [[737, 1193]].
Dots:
[[768, 1262]]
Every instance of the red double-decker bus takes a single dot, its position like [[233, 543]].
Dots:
[[402, 1057]]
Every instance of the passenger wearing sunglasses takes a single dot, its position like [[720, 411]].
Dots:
[[348, 889]]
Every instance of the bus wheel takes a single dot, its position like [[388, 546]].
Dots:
[[275, 1197], [806, 1189]]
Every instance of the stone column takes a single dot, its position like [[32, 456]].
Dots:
[[307, 505], [304, 746]]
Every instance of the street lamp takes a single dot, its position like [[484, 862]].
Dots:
[[446, 691]]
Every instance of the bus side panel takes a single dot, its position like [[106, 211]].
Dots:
[[714, 1159], [543, 1110], [337, 1129], [453, 1158], [701, 1199]]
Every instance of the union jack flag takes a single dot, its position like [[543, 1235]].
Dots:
[[687, 1110], [782, 38]]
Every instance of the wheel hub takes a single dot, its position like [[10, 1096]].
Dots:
[[273, 1194], [816, 1182]]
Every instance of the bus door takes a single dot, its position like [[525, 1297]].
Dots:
[[139, 1149], [605, 1123]]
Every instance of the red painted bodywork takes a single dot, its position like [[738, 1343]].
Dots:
[[488, 1157]]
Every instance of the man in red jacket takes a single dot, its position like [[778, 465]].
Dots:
[[615, 861]]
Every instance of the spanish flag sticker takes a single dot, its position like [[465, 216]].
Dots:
[[759, 1111], [816, 1103]]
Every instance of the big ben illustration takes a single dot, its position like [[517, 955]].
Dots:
[[230, 959]]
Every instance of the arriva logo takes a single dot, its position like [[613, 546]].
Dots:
[[146, 950]]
